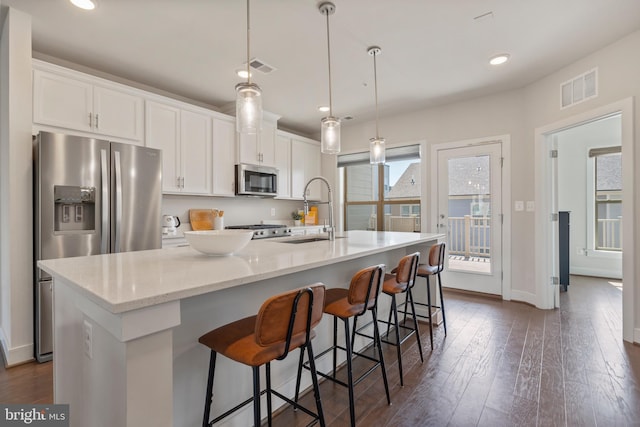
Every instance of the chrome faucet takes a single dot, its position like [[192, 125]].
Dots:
[[330, 230]]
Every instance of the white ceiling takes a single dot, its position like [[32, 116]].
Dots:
[[433, 51]]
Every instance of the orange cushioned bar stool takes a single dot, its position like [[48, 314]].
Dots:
[[285, 322], [433, 267], [343, 304], [402, 283]]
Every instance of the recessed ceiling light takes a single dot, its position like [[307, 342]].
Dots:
[[499, 59], [84, 4], [323, 108], [243, 74]]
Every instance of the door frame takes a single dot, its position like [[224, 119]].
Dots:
[[544, 262], [505, 140]]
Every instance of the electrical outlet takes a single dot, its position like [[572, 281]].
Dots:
[[531, 206], [87, 339], [519, 206], [273, 211]]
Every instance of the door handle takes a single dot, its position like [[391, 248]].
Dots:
[[118, 201], [104, 240]]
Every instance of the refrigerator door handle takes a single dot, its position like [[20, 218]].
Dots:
[[118, 201], [104, 240]]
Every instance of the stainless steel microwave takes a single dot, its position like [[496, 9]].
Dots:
[[253, 180]]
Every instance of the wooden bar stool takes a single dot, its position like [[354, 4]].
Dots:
[[343, 304], [402, 283], [285, 322], [433, 267]]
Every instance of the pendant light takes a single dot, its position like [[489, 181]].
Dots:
[[330, 125], [248, 97], [376, 145]]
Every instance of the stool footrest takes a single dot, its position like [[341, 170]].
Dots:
[[355, 353], [234, 409]]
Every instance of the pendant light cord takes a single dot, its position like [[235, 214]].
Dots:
[[248, 41], [329, 62], [375, 85]]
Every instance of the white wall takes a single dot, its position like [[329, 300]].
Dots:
[[16, 245], [518, 113], [573, 164]]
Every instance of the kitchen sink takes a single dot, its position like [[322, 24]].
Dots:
[[306, 240]]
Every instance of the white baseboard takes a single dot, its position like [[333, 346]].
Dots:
[[595, 272], [523, 296], [16, 355], [636, 335]]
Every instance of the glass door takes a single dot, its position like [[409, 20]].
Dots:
[[470, 213]]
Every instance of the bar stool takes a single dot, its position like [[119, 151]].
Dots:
[[433, 267], [343, 304], [285, 322], [401, 283]]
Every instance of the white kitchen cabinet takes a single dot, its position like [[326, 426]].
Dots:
[[305, 164], [283, 163], [258, 149], [224, 132], [184, 136], [68, 99]]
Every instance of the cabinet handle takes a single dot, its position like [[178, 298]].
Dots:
[[178, 181], [182, 184], [97, 121], [90, 120]]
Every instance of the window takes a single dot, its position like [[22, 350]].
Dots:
[[608, 200], [382, 197]]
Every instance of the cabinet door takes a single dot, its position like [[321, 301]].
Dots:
[[268, 145], [298, 176], [224, 132], [195, 148], [62, 102], [312, 167], [117, 113], [248, 151], [162, 127], [282, 154]]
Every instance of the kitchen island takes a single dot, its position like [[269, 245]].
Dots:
[[126, 325]]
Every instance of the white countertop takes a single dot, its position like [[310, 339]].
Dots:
[[132, 280]]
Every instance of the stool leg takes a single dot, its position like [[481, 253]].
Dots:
[[335, 345], [378, 342], [314, 379], [299, 377], [256, 396], [444, 319], [430, 310], [394, 309], [209, 393], [415, 323], [347, 333], [268, 379]]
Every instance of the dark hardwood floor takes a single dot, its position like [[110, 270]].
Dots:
[[502, 364]]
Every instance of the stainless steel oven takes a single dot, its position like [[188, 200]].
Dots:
[[253, 180]]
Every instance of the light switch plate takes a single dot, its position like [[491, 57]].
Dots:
[[519, 205], [531, 206]]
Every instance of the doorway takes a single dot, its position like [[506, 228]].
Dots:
[[547, 199], [468, 182]]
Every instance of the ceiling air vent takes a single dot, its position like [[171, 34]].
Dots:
[[579, 89], [260, 65]]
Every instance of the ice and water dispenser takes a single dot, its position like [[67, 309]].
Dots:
[[74, 208]]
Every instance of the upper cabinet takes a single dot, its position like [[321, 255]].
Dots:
[[185, 137], [67, 99], [224, 145], [259, 149], [302, 164]]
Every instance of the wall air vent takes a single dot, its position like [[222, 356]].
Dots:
[[579, 89], [260, 65]]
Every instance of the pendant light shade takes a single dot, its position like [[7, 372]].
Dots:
[[376, 151], [376, 146], [248, 96], [248, 108], [330, 125]]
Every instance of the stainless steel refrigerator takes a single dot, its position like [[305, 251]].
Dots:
[[91, 197]]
